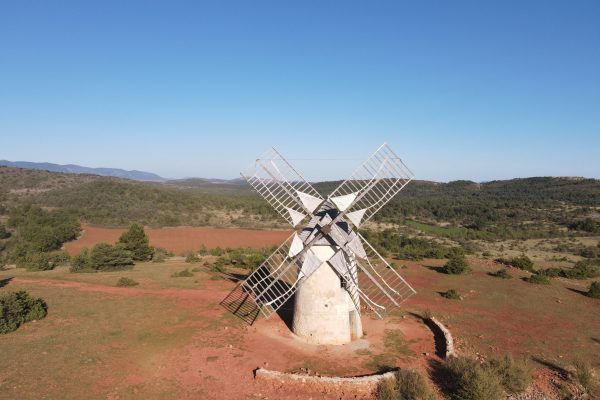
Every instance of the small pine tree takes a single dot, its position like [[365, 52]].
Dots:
[[106, 257], [136, 241]]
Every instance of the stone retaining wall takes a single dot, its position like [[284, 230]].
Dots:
[[362, 387], [449, 351]]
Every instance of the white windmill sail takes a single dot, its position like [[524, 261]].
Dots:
[[367, 277], [372, 185], [273, 178]]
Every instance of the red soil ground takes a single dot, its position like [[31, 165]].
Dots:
[[219, 362], [182, 239]]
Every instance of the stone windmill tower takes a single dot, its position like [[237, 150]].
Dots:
[[326, 267]]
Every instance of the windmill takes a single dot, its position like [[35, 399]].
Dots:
[[326, 267]]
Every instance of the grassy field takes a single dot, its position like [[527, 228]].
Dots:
[[168, 337]]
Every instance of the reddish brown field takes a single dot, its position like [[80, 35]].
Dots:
[[182, 239], [169, 338]]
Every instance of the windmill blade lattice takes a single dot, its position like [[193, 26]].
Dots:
[[370, 282], [380, 285], [283, 187], [372, 185]]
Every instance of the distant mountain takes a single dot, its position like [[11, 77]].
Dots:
[[77, 169], [200, 182]]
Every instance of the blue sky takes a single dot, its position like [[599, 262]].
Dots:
[[460, 90]]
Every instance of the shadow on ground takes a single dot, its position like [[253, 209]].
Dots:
[[438, 335], [5, 281]]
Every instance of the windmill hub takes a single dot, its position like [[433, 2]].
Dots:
[[327, 269]]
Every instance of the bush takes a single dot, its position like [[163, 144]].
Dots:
[[103, 257], [107, 257], [38, 230], [408, 248], [81, 262], [594, 290], [407, 385], [136, 241], [501, 273], [451, 294], [126, 282], [457, 264], [38, 262], [16, 308], [192, 258], [60, 257], [538, 279], [521, 262], [515, 375], [585, 269], [182, 274], [469, 380]]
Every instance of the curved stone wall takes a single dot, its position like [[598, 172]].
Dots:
[[362, 387]]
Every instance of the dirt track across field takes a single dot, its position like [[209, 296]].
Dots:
[[182, 239]]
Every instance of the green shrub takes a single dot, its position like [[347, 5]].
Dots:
[[522, 262], [584, 269], [59, 257], [136, 241], [182, 274], [587, 225], [451, 294], [38, 262], [406, 385], [81, 262], [107, 257], [407, 248], [457, 264], [594, 290], [38, 230], [469, 380], [126, 282], [192, 258], [16, 308], [538, 279], [102, 257], [501, 273], [515, 375]]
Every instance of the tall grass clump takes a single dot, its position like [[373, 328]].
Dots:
[[406, 385], [182, 274], [515, 374], [126, 282], [470, 380], [585, 376]]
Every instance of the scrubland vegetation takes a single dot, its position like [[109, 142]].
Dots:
[[17, 308], [455, 223]]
